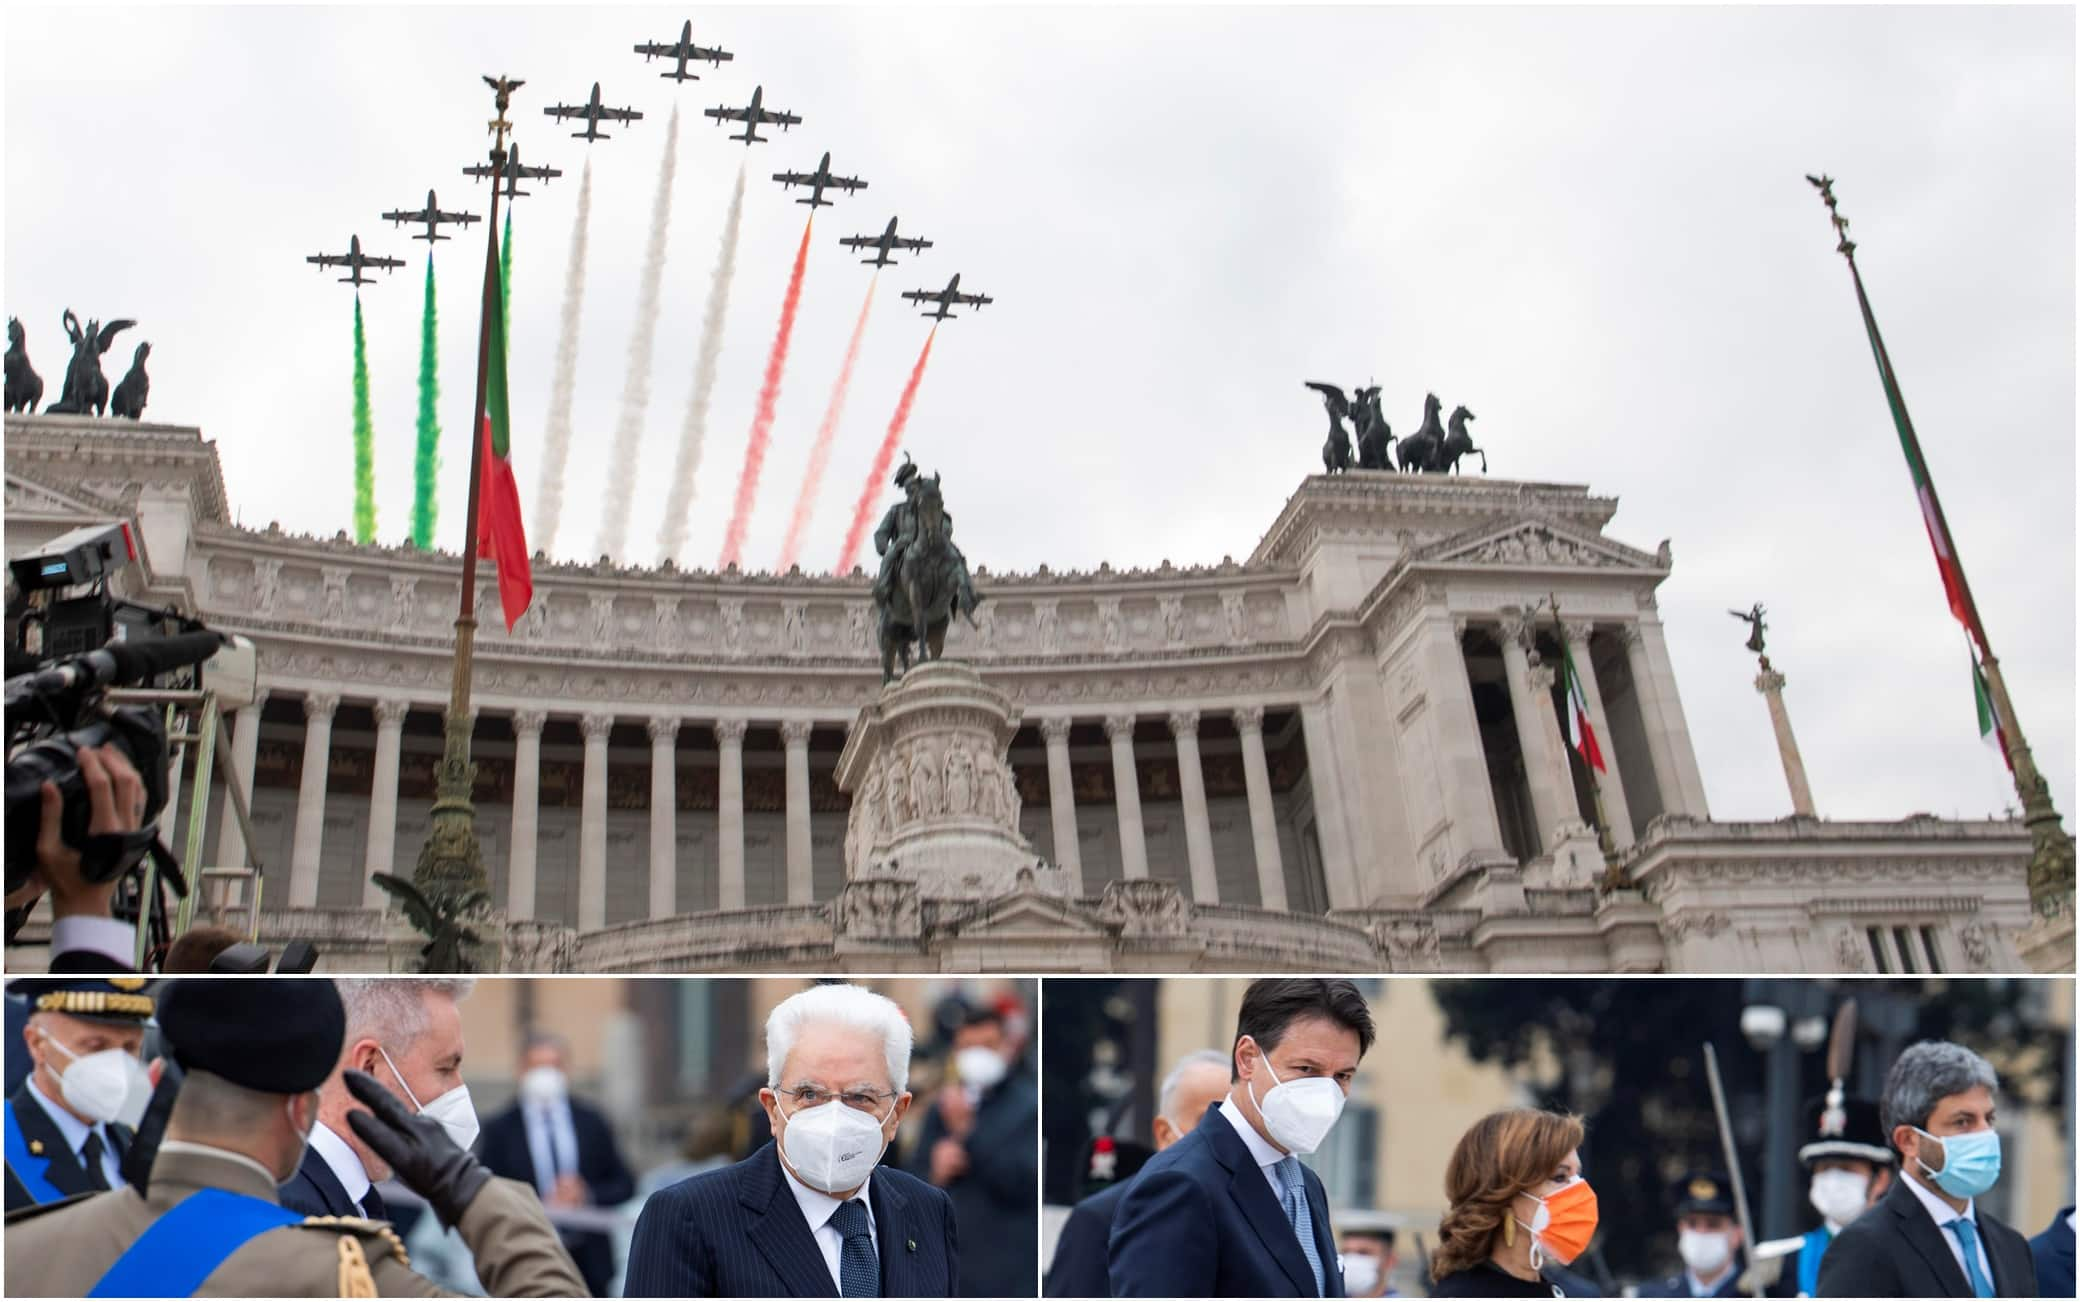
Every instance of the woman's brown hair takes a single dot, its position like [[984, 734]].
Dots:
[[1504, 1154]]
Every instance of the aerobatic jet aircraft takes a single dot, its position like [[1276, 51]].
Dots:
[[818, 181], [883, 244], [946, 298], [592, 114], [682, 50], [513, 173], [752, 115], [355, 261], [432, 215]]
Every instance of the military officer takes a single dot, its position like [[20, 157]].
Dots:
[[83, 1035], [252, 1055], [1708, 1239], [1850, 1168]]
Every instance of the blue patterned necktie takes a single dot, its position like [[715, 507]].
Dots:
[[1292, 1196], [1968, 1236], [858, 1273]]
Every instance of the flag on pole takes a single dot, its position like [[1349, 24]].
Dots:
[[500, 536], [1990, 730], [1580, 734]]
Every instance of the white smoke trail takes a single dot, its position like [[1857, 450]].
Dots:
[[635, 395], [671, 535], [556, 431]]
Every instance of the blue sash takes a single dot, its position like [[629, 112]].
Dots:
[[185, 1246], [1817, 1242], [27, 1169]]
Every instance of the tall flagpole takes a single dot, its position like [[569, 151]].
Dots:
[[2051, 847]]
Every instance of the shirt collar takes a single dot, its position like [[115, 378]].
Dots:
[[344, 1161], [818, 1207], [1263, 1150], [1937, 1208], [74, 1130]]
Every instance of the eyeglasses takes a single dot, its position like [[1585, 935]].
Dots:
[[859, 1099]]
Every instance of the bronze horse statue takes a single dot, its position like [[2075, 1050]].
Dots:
[[1419, 451], [1336, 450], [1375, 438], [24, 385], [86, 388], [930, 586], [1459, 443]]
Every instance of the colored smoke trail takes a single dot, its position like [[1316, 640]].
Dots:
[[556, 430], [505, 280], [426, 464], [820, 454], [768, 399], [635, 394], [882, 457], [364, 438], [693, 431]]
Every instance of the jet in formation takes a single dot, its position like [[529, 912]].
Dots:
[[513, 173], [753, 115], [592, 113], [684, 51], [432, 215], [355, 261], [946, 298], [883, 244], [818, 181]]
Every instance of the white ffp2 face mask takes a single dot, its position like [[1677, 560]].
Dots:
[[1704, 1252], [979, 1067], [1298, 1114], [1840, 1196], [544, 1085], [95, 1085], [832, 1147], [1360, 1274], [455, 1112]]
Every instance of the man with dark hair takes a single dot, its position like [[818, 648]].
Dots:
[[976, 1144], [1229, 1211]]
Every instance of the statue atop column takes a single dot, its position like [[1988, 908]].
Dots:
[[1756, 628], [923, 580]]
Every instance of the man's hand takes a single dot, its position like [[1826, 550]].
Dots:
[[115, 805], [428, 1162], [949, 1162], [569, 1191], [955, 1109]]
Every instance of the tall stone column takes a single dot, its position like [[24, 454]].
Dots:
[[1771, 684], [664, 816], [1527, 704], [1263, 816], [1126, 783], [527, 797], [1061, 799], [1542, 678], [729, 806], [1198, 833], [801, 882], [318, 708], [1661, 709], [592, 824], [1612, 782], [245, 751], [382, 801], [1338, 854]]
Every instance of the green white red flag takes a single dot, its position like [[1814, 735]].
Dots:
[[1991, 730], [1580, 733], [501, 538]]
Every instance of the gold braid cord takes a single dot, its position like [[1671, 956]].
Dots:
[[355, 1278]]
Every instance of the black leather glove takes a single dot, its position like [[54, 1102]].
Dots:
[[428, 1162]]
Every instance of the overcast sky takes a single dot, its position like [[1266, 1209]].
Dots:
[[1589, 227]]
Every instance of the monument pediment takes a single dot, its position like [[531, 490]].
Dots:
[[1022, 915], [29, 497], [1539, 544]]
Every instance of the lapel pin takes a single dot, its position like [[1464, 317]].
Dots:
[[36, 1147], [910, 1244]]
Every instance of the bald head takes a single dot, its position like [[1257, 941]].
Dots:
[[1196, 1083]]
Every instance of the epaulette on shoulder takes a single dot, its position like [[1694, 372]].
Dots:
[[363, 1228], [33, 1210]]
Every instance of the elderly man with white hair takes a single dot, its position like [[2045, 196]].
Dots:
[[811, 1214]]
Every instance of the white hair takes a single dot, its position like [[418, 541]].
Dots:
[[1166, 1097], [392, 1010], [850, 1006]]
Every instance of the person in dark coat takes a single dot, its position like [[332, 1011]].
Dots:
[[82, 1038], [1929, 1237], [977, 1143], [2053, 1250], [1708, 1239]]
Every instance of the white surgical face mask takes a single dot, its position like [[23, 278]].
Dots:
[[457, 1115], [1705, 1253], [1298, 1114], [96, 1085], [979, 1067], [832, 1147], [1840, 1195], [544, 1085], [1360, 1273]]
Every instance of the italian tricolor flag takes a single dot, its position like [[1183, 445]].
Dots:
[[1579, 731], [1990, 730], [500, 537]]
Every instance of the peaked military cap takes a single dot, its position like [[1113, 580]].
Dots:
[[1704, 1193], [1855, 1132], [120, 1001]]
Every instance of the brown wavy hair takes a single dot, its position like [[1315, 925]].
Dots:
[[1504, 1154]]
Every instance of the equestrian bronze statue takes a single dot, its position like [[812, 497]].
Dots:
[[923, 581]]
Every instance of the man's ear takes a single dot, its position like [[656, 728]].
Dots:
[[1166, 1133]]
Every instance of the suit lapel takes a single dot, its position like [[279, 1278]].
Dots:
[[39, 1131], [896, 1229], [1928, 1241], [779, 1231], [1250, 1187], [331, 1192], [2005, 1266]]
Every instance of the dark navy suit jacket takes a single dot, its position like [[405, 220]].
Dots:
[[2053, 1250], [1200, 1220], [61, 1166], [314, 1190], [739, 1232], [1895, 1250], [1080, 1253]]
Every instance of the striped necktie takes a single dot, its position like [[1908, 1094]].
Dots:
[[1292, 1196]]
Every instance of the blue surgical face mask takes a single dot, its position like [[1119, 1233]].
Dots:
[[1971, 1162]]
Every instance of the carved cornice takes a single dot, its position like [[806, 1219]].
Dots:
[[1374, 503]]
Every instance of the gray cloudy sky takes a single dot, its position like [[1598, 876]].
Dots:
[[1589, 227]]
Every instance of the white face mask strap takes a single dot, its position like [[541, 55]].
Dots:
[[399, 1077]]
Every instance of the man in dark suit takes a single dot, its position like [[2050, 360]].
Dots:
[[974, 1145], [1928, 1237], [1197, 1083], [83, 1037], [811, 1214], [1708, 1239], [564, 1148], [1229, 1211], [2053, 1251]]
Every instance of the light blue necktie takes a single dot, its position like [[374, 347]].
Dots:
[[1292, 1196], [1968, 1235]]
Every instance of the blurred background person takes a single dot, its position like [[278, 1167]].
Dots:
[[978, 1143], [1850, 1168], [196, 948], [2053, 1250], [1517, 1201], [80, 1041], [1367, 1250], [564, 1148], [1708, 1239]]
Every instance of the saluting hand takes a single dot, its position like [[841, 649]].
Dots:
[[428, 1162]]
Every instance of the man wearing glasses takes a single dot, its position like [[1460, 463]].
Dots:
[[811, 1214]]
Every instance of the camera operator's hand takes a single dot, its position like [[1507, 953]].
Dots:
[[115, 805], [417, 1148]]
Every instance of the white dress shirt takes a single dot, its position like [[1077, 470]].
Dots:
[[1944, 1214], [345, 1163], [76, 1132], [817, 1208], [1263, 1150], [552, 1142], [112, 940]]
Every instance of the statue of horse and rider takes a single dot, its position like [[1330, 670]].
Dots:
[[1431, 448], [923, 581]]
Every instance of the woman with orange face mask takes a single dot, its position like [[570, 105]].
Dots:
[[1518, 1202]]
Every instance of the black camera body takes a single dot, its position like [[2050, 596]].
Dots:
[[136, 730]]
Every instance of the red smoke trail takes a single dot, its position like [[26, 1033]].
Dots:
[[768, 399], [882, 457], [820, 454]]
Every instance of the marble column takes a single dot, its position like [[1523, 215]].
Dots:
[[1771, 684], [527, 796], [318, 708], [1665, 734], [592, 823], [1332, 826], [729, 804], [1263, 816], [1061, 800], [1611, 782], [801, 881], [664, 816], [1198, 833], [1527, 703], [1543, 677], [1126, 783], [245, 750], [382, 801]]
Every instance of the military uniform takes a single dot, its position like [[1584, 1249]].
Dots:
[[1850, 1131], [44, 1161], [1700, 1193]]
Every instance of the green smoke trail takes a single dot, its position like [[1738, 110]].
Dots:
[[505, 278], [364, 439], [425, 510]]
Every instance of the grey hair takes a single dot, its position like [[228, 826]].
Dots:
[[1925, 1075], [392, 1010], [850, 1006], [537, 1039], [1166, 1097]]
